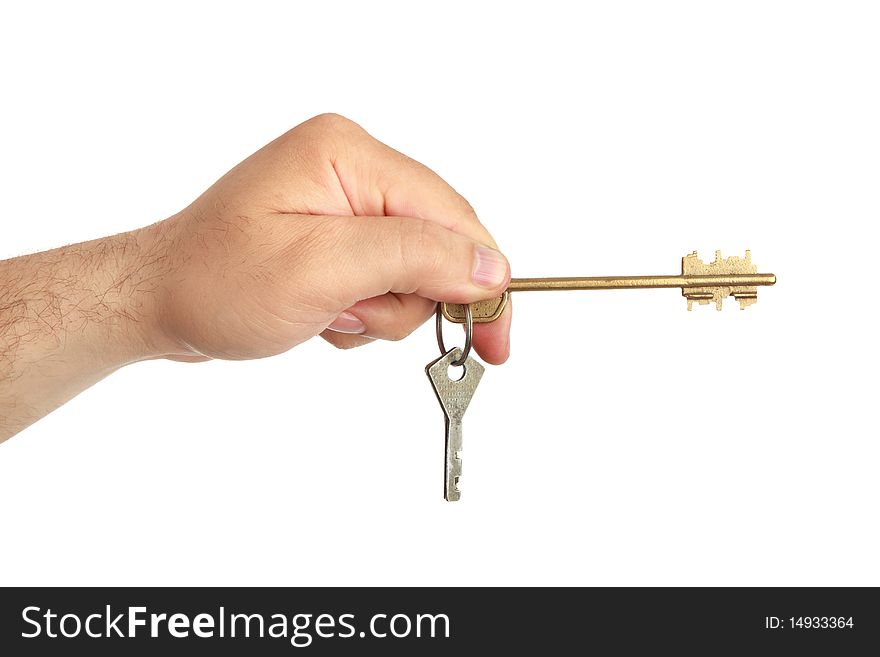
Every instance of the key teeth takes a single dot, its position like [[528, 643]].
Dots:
[[453, 492], [692, 265], [745, 299]]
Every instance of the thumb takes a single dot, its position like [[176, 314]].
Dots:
[[371, 256]]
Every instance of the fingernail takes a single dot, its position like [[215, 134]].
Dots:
[[347, 323], [490, 269]]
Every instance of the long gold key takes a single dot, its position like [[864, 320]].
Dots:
[[724, 277]]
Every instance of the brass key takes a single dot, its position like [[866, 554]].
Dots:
[[700, 282]]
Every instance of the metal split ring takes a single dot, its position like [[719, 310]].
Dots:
[[468, 334]]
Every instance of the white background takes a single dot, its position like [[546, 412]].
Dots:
[[626, 442]]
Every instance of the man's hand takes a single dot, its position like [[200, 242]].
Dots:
[[323, 231], [324, 228]]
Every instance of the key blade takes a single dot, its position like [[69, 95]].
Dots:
[[452, 462], [454, 396], [692, 265]]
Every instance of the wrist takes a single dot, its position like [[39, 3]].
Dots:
[[116, 310], [145, 274]]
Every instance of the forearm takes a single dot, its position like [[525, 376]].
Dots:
[[73, 315]]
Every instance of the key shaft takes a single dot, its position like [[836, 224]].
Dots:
[[699, 282], [638, 282]]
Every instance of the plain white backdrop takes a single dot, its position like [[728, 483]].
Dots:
[[626, 442]]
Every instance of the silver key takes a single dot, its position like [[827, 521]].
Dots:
[[454, 396]]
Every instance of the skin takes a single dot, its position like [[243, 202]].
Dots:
[[325, 231]]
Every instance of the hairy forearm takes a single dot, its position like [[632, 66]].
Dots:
[[73, 315]]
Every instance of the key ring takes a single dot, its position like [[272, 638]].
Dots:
[[468, 334]]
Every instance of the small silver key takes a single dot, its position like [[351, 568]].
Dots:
[[454, 396]]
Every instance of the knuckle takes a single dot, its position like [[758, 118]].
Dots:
[[331, 124], [319, 136]]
